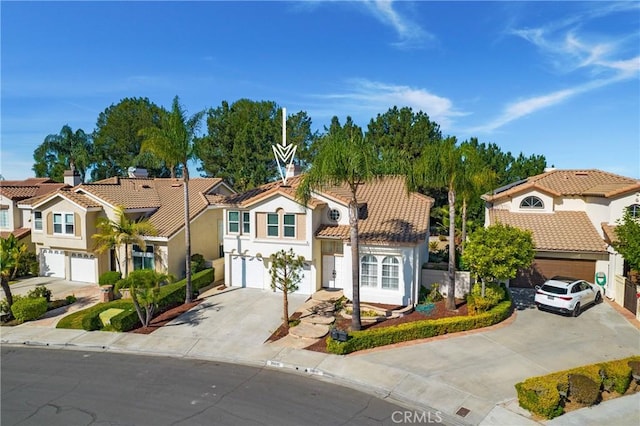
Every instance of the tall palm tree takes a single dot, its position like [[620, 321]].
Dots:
[[476, 178], [440, 166], [113, 234], [344, 157], [173, 142], [10, 256]]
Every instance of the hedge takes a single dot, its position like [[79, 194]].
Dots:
[[366, 339], [545, 395], [170, 295], [29, 308], [110, 278]]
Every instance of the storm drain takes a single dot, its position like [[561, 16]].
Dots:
[[462, 412]]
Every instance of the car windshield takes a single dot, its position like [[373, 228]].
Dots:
[[553, 289]]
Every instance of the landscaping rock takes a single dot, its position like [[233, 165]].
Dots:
[[318, 319], [309, 331]]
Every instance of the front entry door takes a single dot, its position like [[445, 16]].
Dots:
[[331, 271]]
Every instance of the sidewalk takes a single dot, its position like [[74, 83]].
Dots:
[[467, 379]]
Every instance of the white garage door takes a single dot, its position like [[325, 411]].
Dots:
[[83, 267], [52, 263], [247, 271]]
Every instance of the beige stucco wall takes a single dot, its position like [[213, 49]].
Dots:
[[204, 240], [78, 241]]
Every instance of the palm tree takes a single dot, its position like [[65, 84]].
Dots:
[[440, 165], [344, 157], [113, 234], [173, 142], [10, 254], [66, 150], [476, 178]]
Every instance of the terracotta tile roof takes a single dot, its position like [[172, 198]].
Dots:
[[164, 196], [393, 215], [263, 192], [573, 183], [23, 189], [609, 232], [558, 231], [18, 233], [79, 199]]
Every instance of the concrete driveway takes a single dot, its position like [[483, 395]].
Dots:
[[478, 370], [235, 320], [60, 288]]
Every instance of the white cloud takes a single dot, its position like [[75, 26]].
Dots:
[[568, 50], [371, 97], [411, 34]]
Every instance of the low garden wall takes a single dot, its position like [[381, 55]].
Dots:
[[463, 281]]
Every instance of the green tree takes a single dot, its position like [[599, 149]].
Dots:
[[11, 251], [285, 272], [64, 151], [173, 142], [628, 244], [123, 231], [402, 130], [144, 287], [237, 146], [441, 165], [344, 157], [498, 252], [117, 141]]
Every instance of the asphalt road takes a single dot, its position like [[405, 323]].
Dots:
[[69, 388]]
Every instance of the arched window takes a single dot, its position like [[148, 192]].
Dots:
[[532, 203], [634, 210], [369, 271], [390, 273]]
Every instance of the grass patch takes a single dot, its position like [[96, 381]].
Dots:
[[74, 320]]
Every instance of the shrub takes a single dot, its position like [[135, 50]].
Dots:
[[71, 299], [583, 390], [40, 291], [29, 308], [4, 305], [544, 395], [493, 294], [197, 263], [434, 295], [91, 321], [75, 319], [616, 376], [433, 246], [365, 339], [28, 265], [110, 278], [540, 395]]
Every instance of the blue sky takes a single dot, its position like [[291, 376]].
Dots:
[[561, 79]]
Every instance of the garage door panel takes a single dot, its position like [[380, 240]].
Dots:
[[52, 263], [247, 272], [543, 269], [83, 267]]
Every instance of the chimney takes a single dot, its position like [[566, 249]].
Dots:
[[72, 177], [292, 170]]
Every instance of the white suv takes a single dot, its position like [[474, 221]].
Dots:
[[567, 295]]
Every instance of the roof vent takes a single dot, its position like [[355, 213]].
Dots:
[[582, 174], [146, 186], [176, 185]]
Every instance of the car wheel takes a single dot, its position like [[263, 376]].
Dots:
[[598, 298], [576, 310]]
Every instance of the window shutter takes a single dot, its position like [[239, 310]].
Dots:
[[76, 224], [49, 223]]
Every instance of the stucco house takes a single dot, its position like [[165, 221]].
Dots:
[[12, 219], [572, 215], [393, 232], [63, 223]]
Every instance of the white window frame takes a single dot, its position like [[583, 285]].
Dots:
[[333, 215], [4, 218], [246, 223], [233, 222], [37, 222], [275, 225], [634, 210], [388, 279], [148, 253], [532, 202], [63, 223], [288, 226], [369, 271]]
